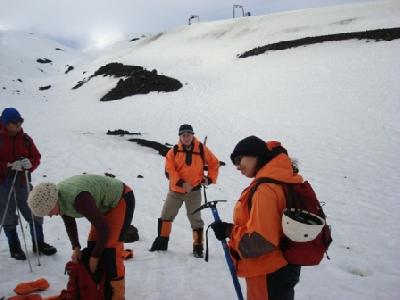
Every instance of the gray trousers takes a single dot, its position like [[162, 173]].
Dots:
[[11, 220], [174, 202]]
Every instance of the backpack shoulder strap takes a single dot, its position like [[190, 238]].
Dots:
[[175, 149], [27, 140], [255, 186], [201, 150]]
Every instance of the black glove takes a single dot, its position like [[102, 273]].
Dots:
[[222, 230]]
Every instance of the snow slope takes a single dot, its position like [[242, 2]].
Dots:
[[334, 106]]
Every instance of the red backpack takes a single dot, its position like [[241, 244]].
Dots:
[[84, 285], [307, 236], [81, 285]]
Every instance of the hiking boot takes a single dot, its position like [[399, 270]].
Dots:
[[45, 249], [198, 242], [160, 244], [198, 251], [131, 234], [161, 241], [17, 253], [14, 244]]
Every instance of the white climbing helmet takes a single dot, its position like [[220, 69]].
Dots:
[[300, 225]]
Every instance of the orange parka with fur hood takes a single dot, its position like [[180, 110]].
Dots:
[[256, 233], [188, 166]]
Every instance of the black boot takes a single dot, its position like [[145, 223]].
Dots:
[[44, 248], [17, 253], [14, 244], [161, 241], [198, 243], [131, 234]]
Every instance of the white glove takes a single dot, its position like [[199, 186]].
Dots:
[[26, 163], [16, 165]]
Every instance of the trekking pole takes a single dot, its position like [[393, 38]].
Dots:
[[3, 218], [22, 229], [213, 206], [205, 169], [28, 189]]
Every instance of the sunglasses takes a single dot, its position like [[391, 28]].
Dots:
[[237, 160], [16, 122]]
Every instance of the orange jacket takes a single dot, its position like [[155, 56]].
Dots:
[[178, 171], [256, 234]]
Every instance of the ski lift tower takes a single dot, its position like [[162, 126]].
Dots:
[[193, 17], [239, 7], [247, 14]]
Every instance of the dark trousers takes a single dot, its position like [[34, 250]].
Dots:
[[278, 285], [18, 197], [281, 283], [21, 195]]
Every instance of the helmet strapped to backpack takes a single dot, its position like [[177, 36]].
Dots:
[[306, 233], [300, 225]]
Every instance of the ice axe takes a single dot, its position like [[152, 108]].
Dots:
[[213, 206]]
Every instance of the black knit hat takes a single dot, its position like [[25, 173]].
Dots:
[[185, 128], [254, 146]]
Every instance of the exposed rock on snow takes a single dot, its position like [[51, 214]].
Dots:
[[43, 60], [162, 149], [137, 81], [43, 88], [121, 132], [69, 68], [377, 35]]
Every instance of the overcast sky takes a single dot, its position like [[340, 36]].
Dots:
[[94, 23]]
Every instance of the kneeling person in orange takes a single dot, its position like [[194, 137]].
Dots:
[[107, 203]]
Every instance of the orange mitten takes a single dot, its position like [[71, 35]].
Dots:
[[127, 254], [26, 297], [24, 288]]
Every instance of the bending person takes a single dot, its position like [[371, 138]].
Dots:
[[107, 203]]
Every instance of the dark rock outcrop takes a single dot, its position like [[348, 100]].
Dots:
[[377, 35], [161, 148], [43, 60], [121, 132], [43, 88], [137, 80], [69, 68]]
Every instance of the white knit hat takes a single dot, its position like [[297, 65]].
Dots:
[[43, 198]]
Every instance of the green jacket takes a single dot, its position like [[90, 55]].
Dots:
[[105, 190]]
